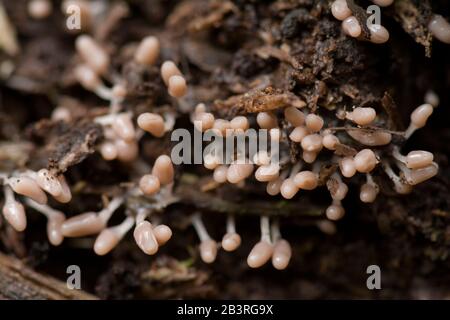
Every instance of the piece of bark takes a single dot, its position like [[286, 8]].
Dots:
[[19, 282]]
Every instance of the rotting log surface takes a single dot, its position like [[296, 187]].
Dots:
[[18, 282], [230, 51]]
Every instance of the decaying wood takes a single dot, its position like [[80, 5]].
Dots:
[[414, 17], [260, 100], [18, 282], [191, 194], [266, 52]]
